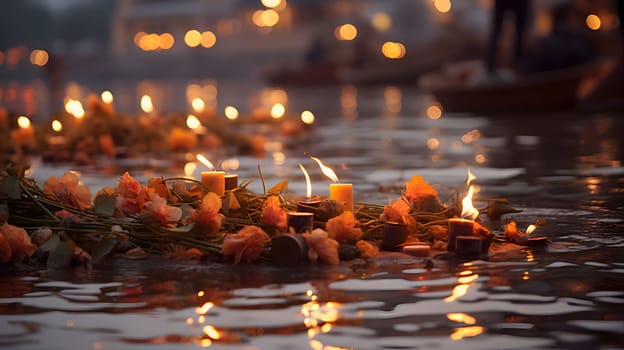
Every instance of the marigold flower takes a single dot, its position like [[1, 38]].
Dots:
[[68, 190], [18, 241], [128, 186], [246, 245], [321, 247], [396, 210], [159, 186], [367, 249], [343, 228], [161, 212], [131, 196], [417, 189], [207, 216], [273, 214]]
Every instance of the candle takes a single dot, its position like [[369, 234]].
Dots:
[[214, 180], [300, 222], [342, 193], [420, 250], [308, 205], [468, 246], [458, 227], [231, 182], [288, 250], [394, 235]]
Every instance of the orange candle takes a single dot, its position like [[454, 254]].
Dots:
[[342, 193], [214, 180]]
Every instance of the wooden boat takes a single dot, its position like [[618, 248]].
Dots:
[[548, 91]]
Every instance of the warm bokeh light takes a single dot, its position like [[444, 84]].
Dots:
[[231, 112], [393, 50], [346, 32], [192, 38], [106, 96], [57, 125], [480, 158], [265, 18], [146, 104], [530, 229], [434, 112], [23, 122], [381, 21], [230, 164], [149, 42], [189, 169], [211, 332], [208, 39], [593, 22], [74, 107], [39, 57], [307, 117], [202, 310], [166, 41], [277, 111], [471, 136], [192, 122], [137, 38], [461, 318], [198, 104], [466, 332], [442, 6], [433, 143], [271, 3]]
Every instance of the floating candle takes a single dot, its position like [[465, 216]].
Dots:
[[394, 235], [463, 226], [420, 250], [213, 179], [300, 222], [341, 192]]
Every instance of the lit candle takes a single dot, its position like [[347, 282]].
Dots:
[[463, 226], [300, 222], [307, 205], [341, 192], [213, 179]]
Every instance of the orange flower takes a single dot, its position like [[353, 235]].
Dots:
[[321, 247], [18, 241], [131, 196], [128, 186], [417, 189], [159, 186], [246, 245], [367, 249], [343, 228], [207, 216], [68, 190], [161, 212], [273, 214], [395, 211]]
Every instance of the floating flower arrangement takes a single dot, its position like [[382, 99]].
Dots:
[[62, 223]]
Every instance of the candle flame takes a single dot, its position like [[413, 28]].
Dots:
[[530, 229], [23, 122], [146, 104], [192, 122], [205, 161], [74, 107], [107, 97], [308, 182], [468, 210], [327, 171]]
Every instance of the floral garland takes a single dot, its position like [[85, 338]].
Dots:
[[181, 216]]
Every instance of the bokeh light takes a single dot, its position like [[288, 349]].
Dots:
[[107, 96], [166, 41], [192, 38], [192, 122], [57, 125], [198, 104], [381, 21], [434, 112], [393, 50], [346, 32], [277, 111], [307, 117], [271, 3], [208, 39], [231, 112], [23, 122], [146, 104], [593, 22], [442, 6], [39, 57]]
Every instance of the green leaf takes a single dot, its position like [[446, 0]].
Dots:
[[105, 204], [11, 187], [279, 188], [104, 247]]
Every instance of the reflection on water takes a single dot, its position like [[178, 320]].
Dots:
[[563, 168]]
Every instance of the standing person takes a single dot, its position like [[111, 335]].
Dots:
[[520, 10]]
